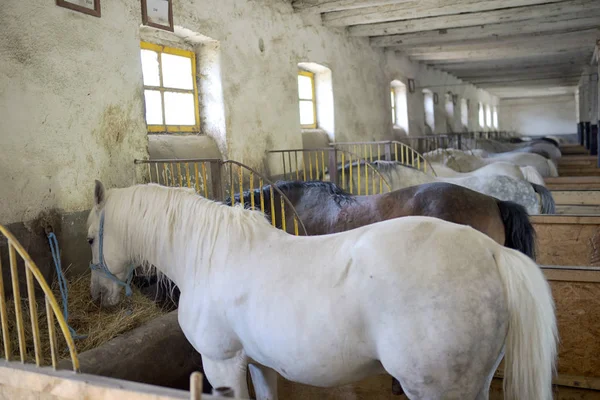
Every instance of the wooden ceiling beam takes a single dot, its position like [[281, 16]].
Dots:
[[321, 6], [552, 41], [474, 19], [528, 28], [420, 9], [495, 54]]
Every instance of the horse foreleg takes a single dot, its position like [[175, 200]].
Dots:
[[228, 373], [264, 380]]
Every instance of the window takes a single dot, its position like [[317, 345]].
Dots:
[[170, 89], [488, 116], [307, 100], [464, 112], [429, 109], [449, 105], [399, 105], [481, 116], [495, 117], [393, 100]]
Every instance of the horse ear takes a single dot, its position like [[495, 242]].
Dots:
[[99, 194]]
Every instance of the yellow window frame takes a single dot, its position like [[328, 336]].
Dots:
[[311, 75], [393, 100], [178, 52]]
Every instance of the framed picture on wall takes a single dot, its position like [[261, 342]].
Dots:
[[90, 7], [411, 85], [158, 14]]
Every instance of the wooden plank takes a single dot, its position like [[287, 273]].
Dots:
[[564, 23], [567, 239], [25, 381], [568, 172], [492, 54], [577, 210], [320, 6], [421, 9], [569, 275], [474, 19], [576, 197]]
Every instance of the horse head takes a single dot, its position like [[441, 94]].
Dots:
[[111, 268]]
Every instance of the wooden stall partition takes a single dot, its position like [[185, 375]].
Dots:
[[572, 240], [577, 202], [573, 183]]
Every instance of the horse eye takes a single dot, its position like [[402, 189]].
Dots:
[[91, 241]]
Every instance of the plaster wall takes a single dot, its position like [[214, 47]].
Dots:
[[550, 115]]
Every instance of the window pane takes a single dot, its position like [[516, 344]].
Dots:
[[179, 109], [177, 72], [305, 87], [392, 99], [153, 107], [307, 116], [150, 68]]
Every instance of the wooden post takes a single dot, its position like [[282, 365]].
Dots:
[[333, 171], [196, 386], [216, 178]]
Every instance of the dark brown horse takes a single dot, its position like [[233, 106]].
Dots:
[[324, 208]]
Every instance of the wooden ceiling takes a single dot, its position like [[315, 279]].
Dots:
[[511, 48]]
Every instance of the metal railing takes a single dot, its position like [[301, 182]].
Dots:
[[17, 255], [223, 180]]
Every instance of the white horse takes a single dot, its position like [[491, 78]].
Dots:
[[535, 198], [528, 173], [462, 161], [547, 147], [333, 309]]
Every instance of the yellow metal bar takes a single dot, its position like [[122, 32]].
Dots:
[[283, 162], [33, 316], [317, 165], [289, 153], [17, 297], [297, 172], [304, 166], [358, 171], [415, 155], [273, 222], [295, 225], [424, 165], [197, 176], [204, 180], [149, 172], [252, 201], [180, 175], [51, 332], [351, 181], [262, 195], [4, 317], [378, 152], [396, 150], [344, 171], [323, 163], [283, 222], [241, 182], [187, 175], [310, 166], [366, 170]]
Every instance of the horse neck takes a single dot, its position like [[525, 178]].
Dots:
[[177, 232]]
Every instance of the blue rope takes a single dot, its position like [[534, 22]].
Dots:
[[62, 283]]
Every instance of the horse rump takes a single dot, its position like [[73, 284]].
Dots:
[[519, 232]]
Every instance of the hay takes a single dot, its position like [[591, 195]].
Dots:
[[85, 317]]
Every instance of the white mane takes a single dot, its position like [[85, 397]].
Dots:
[[157, 223]]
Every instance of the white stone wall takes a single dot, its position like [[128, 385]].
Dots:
[[549, 115], [71, 106]]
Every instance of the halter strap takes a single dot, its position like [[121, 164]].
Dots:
[[101, 265]]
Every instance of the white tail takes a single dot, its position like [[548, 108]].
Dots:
[[532, 338], [553, 170], [532, 175]]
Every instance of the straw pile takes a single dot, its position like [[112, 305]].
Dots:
[[86, 317]]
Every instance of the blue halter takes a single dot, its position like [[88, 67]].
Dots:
[[101, 266]]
